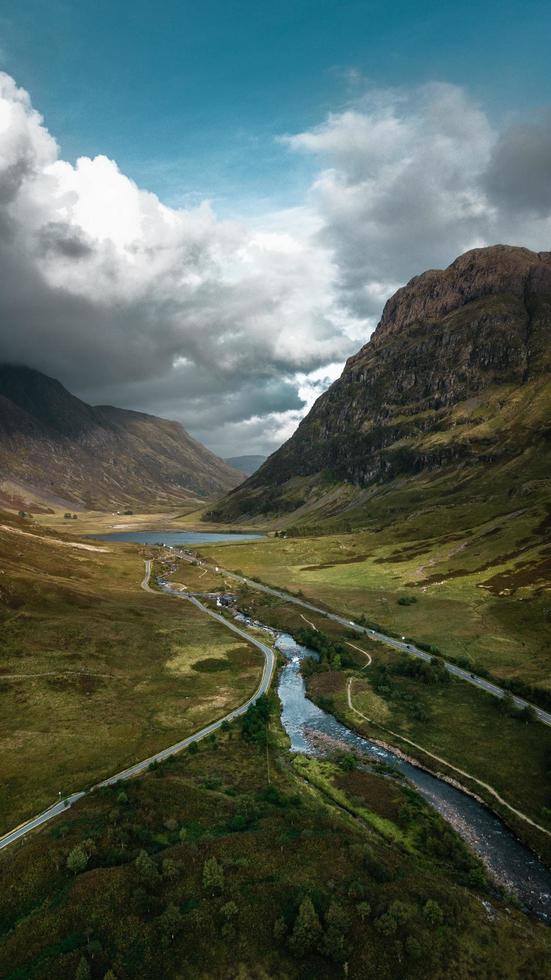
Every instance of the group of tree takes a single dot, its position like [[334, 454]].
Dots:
[[333, 654], [254, 723]]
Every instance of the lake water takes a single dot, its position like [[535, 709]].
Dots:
[[176, 539]]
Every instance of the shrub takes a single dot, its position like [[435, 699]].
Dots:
[[433, 913], [145, 866], [83, 971], [280, 929], [364, 910], [77, 859], [306, 930], [170, 869], [213, 875]]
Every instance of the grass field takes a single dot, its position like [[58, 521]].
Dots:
[[482, 594], [95, 673], [219, 870], [455, 721]]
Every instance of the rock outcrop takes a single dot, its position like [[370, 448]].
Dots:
[[429, 389]]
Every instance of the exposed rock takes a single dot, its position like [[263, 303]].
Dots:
[[413, 398]]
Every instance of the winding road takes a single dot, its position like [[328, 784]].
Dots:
[[391, 641], [140, 767]]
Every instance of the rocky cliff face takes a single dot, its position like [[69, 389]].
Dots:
[[429, 389], [54, 447]]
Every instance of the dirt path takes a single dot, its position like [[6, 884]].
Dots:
[[365, 653], [314, 627], [444, 762]]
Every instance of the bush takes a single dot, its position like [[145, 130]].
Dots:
[[145, 866], [306, 930], [433, 913], [77, 859], [254, 723], [213, 875], [280, 929], [83, 971]]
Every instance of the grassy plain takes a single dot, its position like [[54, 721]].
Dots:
[[481, 593], [457, 722], [208, 862], [95, 673]]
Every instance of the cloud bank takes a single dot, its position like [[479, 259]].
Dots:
[[232, 328]]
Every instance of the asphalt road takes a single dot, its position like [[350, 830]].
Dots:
[[140, 767], [391, 641]]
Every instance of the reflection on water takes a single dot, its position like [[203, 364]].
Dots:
[[174, 539], [513, 864]]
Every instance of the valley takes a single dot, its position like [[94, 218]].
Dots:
[[223, 685]]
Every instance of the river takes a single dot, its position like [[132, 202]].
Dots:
[[511, 863]]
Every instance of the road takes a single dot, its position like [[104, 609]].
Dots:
[[439, 759], [140, 767], [391, 641]]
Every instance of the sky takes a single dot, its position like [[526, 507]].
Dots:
[[203, 207]]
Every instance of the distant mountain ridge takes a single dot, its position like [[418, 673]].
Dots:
[[246, 464], [55, 446], [457, 374]]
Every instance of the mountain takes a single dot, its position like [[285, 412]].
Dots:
[[451, 396], [57, 449], [246, 464]]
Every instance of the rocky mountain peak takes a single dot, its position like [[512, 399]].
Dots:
[[475, 274]]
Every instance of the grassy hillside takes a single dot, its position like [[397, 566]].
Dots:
[[94, 672], [219, 867], [55, 450], [475, 582]]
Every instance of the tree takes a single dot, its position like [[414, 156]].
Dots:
[[145, 866], [170, 869], [170, 923], [280, 929], [364, 910], [433, 913], [213, 875], [230, 910], [306, 930], [77, 859], [83, 971]]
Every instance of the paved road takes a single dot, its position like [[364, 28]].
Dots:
[[269, 663], [391, 641]]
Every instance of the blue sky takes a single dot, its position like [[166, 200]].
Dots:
[[187, 96], [204, 206]]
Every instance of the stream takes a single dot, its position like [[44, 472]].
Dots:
[[509, 861]]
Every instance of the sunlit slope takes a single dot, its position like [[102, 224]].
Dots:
[[94, 673], [449, 401]]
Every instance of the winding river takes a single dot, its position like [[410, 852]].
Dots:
[[509, 861]]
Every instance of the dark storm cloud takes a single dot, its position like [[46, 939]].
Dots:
[[518, 177], [230, 328]]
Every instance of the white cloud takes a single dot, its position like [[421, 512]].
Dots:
[[236, 327], [114, 292], [409, 180]]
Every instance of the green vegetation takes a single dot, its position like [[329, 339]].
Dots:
[[217, 867], [480, 581], [471, 730], [95, 673]]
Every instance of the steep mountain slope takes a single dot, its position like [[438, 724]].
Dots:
[[55, 447], [450, 396]]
